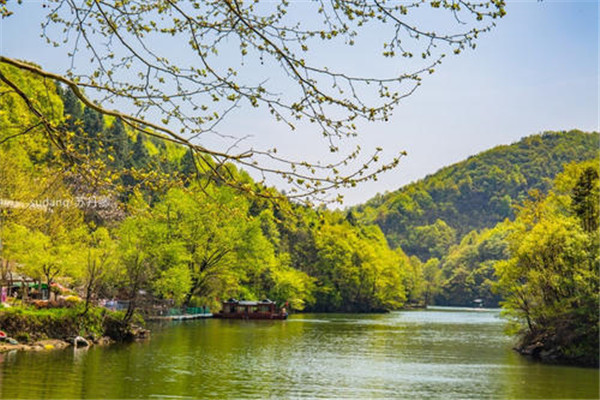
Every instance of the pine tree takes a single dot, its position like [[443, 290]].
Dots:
[[585, 198], [72, 104], [140, 155], [188, 164], [118, 143], [93, 124]]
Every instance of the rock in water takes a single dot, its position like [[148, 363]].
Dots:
[[80, 341]]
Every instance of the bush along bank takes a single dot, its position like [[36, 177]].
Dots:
[[65, 326], [565, 344]]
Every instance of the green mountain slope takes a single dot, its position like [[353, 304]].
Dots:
[[203, 240], [427, 217], [114, 212]]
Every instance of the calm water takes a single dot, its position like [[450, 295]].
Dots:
[[412, 354]]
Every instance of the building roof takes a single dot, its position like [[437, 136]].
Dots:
[[248, 302], [19, 277]]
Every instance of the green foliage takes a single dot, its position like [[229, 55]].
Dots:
[[140, 152], [550, 282], [119, 144], [434, 239], [467, 271], [414, 280], [456, 215], [474, 194], [173, 283], [195, 241], [585, 199], [432, 280], [359, 271], [18, 123], [53, 322], [292, 286], [23, 337], [43, 256]]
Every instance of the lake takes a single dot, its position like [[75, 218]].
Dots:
[[435, 353]]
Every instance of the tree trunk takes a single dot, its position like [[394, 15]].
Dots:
[[132, 302], [130, 311], [190, 294], [88, 297]]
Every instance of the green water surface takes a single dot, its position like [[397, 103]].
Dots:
[[428, 354]]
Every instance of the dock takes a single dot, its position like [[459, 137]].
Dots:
[[180, 317], [181, 314]]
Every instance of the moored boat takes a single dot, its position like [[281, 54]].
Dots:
[[242, 309]]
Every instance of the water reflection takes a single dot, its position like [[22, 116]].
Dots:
[[417, 354]]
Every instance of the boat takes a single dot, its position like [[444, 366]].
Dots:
[[243, 309]]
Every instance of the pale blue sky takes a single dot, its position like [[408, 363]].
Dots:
[[537, 70]]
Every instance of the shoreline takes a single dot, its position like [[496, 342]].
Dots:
[[535, 352], [50, 344]]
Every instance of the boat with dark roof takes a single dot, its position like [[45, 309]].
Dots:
[[243, 309]]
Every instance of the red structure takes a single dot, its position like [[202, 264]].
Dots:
[[240, 309]]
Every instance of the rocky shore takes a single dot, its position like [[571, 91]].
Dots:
[[53, 344], [552, 349], [30, 328]]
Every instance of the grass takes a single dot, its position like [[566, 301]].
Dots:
[[55, 323]]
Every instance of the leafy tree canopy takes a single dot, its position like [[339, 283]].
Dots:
[[122, 53], [476, 193], [551, 281]]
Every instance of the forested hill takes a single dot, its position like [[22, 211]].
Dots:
[[427, 217], [114, 213]]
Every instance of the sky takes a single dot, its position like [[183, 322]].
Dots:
[[536, 71]]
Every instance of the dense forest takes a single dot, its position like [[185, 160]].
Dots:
[[455, 217], [427, 217], [550, 281], [118, 214]]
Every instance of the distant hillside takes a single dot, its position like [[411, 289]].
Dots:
[[427, 217]]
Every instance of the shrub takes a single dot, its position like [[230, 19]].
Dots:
[[71, 301], [119, 330], [55, 323], [23, 337]]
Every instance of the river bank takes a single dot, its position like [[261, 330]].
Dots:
[[49, 344], [42, 345], [27, 328], [55, 344], [555, 349]]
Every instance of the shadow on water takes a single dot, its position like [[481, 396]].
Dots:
[[436, 353]]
